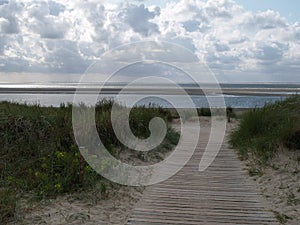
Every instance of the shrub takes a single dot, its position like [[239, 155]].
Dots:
[[262, 131], [38, 151], [204, 112]]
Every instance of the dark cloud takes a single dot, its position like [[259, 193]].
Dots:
[[191, 25], [66, 57], [2, 2], [2, 44], [221, 47], [269, 53], [8, 17], [10, 25], [14, 65], [50, 29], [55, 8], [138, 18]]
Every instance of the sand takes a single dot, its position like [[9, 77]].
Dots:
[[88, 208], [280, 184]]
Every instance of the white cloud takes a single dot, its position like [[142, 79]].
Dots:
[[66, 35]]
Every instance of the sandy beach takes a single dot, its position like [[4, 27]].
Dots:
[[280, 184], [89, 208]]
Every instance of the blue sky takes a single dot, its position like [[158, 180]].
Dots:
[[289, 8]]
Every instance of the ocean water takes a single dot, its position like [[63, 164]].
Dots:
[[234, 101], [235, 95]]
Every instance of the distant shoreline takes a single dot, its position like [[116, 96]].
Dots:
[[157, 91]]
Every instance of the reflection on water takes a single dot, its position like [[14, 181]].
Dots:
[[199, 100]]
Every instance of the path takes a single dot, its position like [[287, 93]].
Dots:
[[223, 194]]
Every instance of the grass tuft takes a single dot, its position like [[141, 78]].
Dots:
[[262, 131]]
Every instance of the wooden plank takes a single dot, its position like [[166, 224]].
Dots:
[[220, 195]]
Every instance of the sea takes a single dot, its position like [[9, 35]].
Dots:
[[250, 95]]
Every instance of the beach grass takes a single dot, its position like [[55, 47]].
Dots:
[[39, 156], [263, 130], [268, 139]]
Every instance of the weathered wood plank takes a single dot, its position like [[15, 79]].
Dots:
[[220, 195]]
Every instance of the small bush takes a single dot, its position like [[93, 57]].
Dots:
[[204, 112]]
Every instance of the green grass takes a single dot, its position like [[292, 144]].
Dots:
[[204, 112], [263, 130], [38, 153], [8, 201]]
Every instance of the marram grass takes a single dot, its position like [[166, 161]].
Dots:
[[38, 153], [262, 130]]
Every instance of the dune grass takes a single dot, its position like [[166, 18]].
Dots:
[[39, 156], [263, 130]]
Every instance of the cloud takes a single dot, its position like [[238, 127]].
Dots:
[[231, 39], [270, 52], [8, 17], [65, 36], [2, 44], [138, 18], [2, 2], [43, 18], [66, 56], [55, 8]]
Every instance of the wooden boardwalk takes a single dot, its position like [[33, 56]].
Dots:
[[223, 194]]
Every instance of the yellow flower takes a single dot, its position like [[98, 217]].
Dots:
[[60, 155], [88, 169], [37, 174], [57, 187]]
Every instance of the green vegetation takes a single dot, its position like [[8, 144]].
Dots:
[[39, 156], [204, 112], [259, 137], [262, 131], [207, 112]]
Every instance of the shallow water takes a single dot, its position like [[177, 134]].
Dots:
[[200, 101]]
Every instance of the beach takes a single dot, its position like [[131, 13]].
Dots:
[[234, 95], [277, 184]]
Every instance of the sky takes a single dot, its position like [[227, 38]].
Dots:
[[240, 41], [288, 9]]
